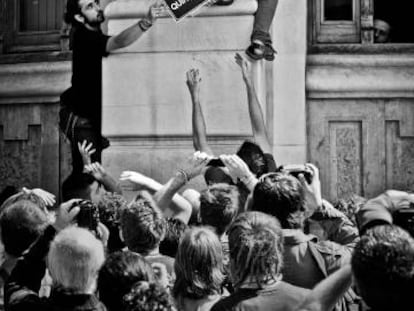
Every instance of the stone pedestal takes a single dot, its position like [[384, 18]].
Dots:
[[146, 104]]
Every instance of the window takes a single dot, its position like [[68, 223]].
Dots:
[[31, 25], [362, 21]]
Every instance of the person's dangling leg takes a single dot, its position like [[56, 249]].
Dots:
[[261, 46]]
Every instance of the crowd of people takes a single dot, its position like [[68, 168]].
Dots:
[[258, 236]]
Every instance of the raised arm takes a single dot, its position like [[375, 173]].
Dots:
[[138, 180], [100, 174], [165, 194], [132, 33], [199, 126], [255, 110]]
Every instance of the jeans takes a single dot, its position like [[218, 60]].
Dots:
[[78, 129], [263, 20]]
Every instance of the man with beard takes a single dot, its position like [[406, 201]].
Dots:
[[80, 115]]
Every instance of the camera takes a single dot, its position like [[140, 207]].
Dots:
[[88, 216], [297, 169], [216, 162], [404, 218]]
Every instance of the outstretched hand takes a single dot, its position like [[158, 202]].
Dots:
[[197, 163], [96, 170], [193, 80], [238, 169], [245, 66], [153, 11], [86, 150]]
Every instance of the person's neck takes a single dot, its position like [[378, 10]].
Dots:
[[154, 252], [251, 282], [90, 27]]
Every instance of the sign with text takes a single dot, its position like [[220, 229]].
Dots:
[[181, 8]]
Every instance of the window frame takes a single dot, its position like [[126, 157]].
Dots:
[[13, 41], [348, 35]]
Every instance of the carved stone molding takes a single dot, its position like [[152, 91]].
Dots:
[[360, 76], [33, 82]]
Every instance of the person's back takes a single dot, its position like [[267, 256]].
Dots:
[[307, 261], [256, 253]]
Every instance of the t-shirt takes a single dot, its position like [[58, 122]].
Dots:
[[85, 99], [281, 296]]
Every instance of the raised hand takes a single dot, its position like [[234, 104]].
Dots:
[[197, 163], [193, 81], [86, 150], [96, 170], [238, 169], [153, 11]]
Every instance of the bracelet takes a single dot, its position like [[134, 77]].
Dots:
[[184, 173], [144, 24]]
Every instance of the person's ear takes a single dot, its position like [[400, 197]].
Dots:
[[79, 18]]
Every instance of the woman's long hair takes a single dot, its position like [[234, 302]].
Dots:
[[198, 265]]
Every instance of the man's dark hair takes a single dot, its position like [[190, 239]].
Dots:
[[254, 157], [7, 192], [118, 274], [76, 186], [110, 205], [142, 224], [72, 8], [174, 230], [219, 205], [256, 248], [383, 267], [21, 224], [281, 195], [146, 296]]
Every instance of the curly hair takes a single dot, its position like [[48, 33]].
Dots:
[[110, 205], [383, 267], [72, 8], [120, 271], [198, 265], [254, 157], [281, 195], [256, 248], [174, 230], [219, 205], [142, 224], [146, 296]]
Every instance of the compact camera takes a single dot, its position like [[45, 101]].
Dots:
[[88, 216], [297, 169], [404, 218]]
